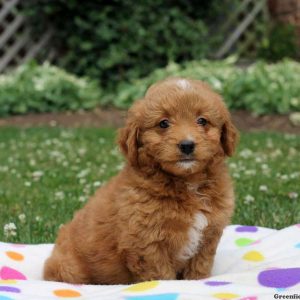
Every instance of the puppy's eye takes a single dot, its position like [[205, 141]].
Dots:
[[201, 121], [164, 123]]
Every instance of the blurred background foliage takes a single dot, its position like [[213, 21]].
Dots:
[[279, 42], [45, 88], [109, 52], [120, 40], [261, 88]]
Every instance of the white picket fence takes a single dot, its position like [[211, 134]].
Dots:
[[16, 42], [243, 29]]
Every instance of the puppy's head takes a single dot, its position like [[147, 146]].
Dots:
[[180, 126]]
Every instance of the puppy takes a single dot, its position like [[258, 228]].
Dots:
[[162, 216]]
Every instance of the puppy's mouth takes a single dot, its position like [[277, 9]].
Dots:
[[186, 160], [186, 163]]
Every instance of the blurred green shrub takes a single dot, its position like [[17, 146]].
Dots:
[[45, 88], [280, 42], [117, 40], [261, 88]]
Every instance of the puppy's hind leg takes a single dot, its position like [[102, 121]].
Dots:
[[52, 270], [64, 268]]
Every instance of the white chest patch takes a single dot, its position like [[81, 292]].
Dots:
[[195, 235]]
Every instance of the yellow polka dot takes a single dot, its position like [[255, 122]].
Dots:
[[143, 286], [66, 293], [224, 296], [8, 281], [253, 256], [15, 255]]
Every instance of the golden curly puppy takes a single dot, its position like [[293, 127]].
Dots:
[[162, 216]]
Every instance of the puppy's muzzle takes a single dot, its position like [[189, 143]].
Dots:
[[186, 147]]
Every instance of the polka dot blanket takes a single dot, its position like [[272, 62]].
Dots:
[[251, 263]]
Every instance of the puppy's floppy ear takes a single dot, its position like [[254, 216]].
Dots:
[[128, 141], [128, 136], [229, 137]]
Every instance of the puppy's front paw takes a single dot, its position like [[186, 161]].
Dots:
[[195, 275], [150, 275]]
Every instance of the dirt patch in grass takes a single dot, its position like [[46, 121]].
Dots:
[[95, 118], [278, 123], [244, 120]]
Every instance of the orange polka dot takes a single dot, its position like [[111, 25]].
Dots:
[[66, 293], [15, 255]]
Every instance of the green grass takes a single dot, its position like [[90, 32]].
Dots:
[[48, 173]]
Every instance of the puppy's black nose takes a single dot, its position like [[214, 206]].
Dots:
[[186, 146]]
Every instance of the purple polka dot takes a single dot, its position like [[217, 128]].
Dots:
[[246, 229], [279, 278], [9, 289], [216, 283]]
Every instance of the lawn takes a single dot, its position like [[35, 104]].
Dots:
[[48, 173]]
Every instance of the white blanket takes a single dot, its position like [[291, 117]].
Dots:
[[251, 263]]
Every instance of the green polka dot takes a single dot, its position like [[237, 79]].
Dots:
[[242, 242]]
